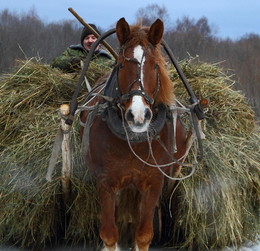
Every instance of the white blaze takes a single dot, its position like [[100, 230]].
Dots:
[[138, 106], [139, 56]]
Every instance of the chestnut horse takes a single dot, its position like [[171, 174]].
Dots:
[[133, 135]]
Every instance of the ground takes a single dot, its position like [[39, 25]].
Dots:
[[244, 248]]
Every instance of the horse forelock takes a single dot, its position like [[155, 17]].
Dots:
[[138, 36]]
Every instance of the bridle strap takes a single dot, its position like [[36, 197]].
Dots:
[[128, 95], [140, 92]]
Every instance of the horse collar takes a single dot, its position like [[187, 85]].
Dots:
[[119, 127]]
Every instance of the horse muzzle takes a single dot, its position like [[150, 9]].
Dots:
[[138, 115], [138, 122]]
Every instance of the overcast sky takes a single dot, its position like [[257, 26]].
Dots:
[[232, 18]]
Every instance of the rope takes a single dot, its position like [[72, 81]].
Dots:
[[164, 173], [151, 152]]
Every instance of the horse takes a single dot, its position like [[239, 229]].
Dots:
[[130, 140]]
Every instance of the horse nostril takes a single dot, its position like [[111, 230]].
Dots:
[[147, 114], [129, 116]]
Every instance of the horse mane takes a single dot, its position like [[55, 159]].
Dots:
[[138, 36], [166, 92]]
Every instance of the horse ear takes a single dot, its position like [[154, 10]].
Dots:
[[156, 32], [122, 30]]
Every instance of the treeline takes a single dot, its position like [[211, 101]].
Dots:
[[26, 36], [240, 58]]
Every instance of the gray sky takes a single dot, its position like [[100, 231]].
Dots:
[[232, 18]]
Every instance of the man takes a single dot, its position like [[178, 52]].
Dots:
[[71, 59]]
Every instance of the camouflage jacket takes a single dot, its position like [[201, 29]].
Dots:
[[69, 60]]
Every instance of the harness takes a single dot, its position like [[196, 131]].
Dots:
[[112, 103], [193, 99], [115, 97]]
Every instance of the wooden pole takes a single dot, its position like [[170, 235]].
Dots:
[[66, 153], [110, 49]]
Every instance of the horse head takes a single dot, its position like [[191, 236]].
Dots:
[[142, 79]]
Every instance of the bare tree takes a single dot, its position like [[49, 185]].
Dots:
[[24, 36], [150, 13], [191, 36]]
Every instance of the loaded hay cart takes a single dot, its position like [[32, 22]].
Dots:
[[216, 207]]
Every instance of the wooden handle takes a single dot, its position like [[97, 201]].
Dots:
[[111, 50]]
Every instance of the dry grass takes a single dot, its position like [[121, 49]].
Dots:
[[216, 207], [31, 209], [219, 205]]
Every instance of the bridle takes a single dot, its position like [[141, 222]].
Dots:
[[140, 91]]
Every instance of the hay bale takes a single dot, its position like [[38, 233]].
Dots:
[[216, 207], [219, 205], [31, 209]]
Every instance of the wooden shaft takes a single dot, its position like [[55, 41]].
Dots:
[[111, 50], [66, 153]]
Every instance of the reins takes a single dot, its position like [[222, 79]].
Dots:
[[160, 166]]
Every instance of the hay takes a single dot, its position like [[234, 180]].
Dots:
[[219, 205], [31, 209], [216, 207], [229, 113]]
